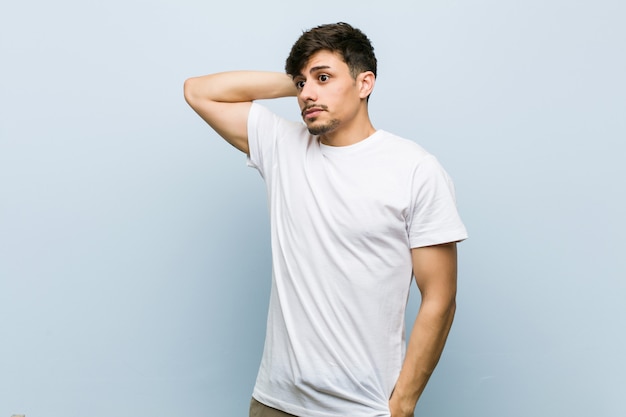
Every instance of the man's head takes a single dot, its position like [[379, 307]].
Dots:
[[350, 43]]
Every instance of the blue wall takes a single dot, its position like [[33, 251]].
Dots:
[[134, 260]]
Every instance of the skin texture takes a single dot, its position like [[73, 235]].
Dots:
[[223, 100], [435, 269], [332, 102], [333, 105]]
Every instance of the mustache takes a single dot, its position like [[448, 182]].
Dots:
[[313, 106]]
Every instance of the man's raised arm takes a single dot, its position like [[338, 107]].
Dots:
[[223, 100]]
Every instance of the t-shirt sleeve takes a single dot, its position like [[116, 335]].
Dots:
[[433, 217], [262, 133]]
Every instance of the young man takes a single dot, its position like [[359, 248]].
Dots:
[[355, 213]]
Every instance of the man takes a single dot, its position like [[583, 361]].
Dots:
[[355, 213]]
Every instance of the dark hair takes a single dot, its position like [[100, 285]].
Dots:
[[352, 44]]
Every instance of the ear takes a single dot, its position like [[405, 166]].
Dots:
[[366, 81]]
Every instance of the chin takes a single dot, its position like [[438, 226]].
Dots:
[[323, 128]]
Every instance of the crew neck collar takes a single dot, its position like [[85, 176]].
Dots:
[[355, 147]]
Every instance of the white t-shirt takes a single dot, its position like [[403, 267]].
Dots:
[[343, 221]]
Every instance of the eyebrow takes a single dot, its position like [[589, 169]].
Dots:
[[320, 67], [314, 69]]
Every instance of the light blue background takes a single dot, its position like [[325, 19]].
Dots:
[[134, 260]]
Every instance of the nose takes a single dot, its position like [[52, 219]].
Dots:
[[308, 93]]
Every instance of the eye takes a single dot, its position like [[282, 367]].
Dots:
[[299, 84], [323, 77]]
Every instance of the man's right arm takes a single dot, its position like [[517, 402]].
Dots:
[[223, 100]]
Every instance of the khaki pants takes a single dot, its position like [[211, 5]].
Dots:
[[261, 410]]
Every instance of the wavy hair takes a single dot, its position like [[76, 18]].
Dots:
[[351, 43]]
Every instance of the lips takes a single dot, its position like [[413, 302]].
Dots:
[[312, 111]]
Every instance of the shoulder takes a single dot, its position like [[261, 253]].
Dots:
[[408, 158], [269, 131], [402, 149]]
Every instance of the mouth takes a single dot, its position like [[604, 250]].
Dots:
[[310, 112]]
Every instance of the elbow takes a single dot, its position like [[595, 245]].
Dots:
[[446, 307], [451, 299], [440, 296], [452, 308], [450, 304], [445, 311], [442, 306], [189, 90]]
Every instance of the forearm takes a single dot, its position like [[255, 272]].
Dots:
[[223, 100], [426, 344], [239, 86]]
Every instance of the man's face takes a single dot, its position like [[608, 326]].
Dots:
[[327, 93]]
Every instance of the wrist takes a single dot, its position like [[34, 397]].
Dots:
[[400, 408], [402, 403]]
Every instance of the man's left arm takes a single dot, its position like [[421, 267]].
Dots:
[[435, 270]]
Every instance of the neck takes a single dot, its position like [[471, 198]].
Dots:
[[349, 135]]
